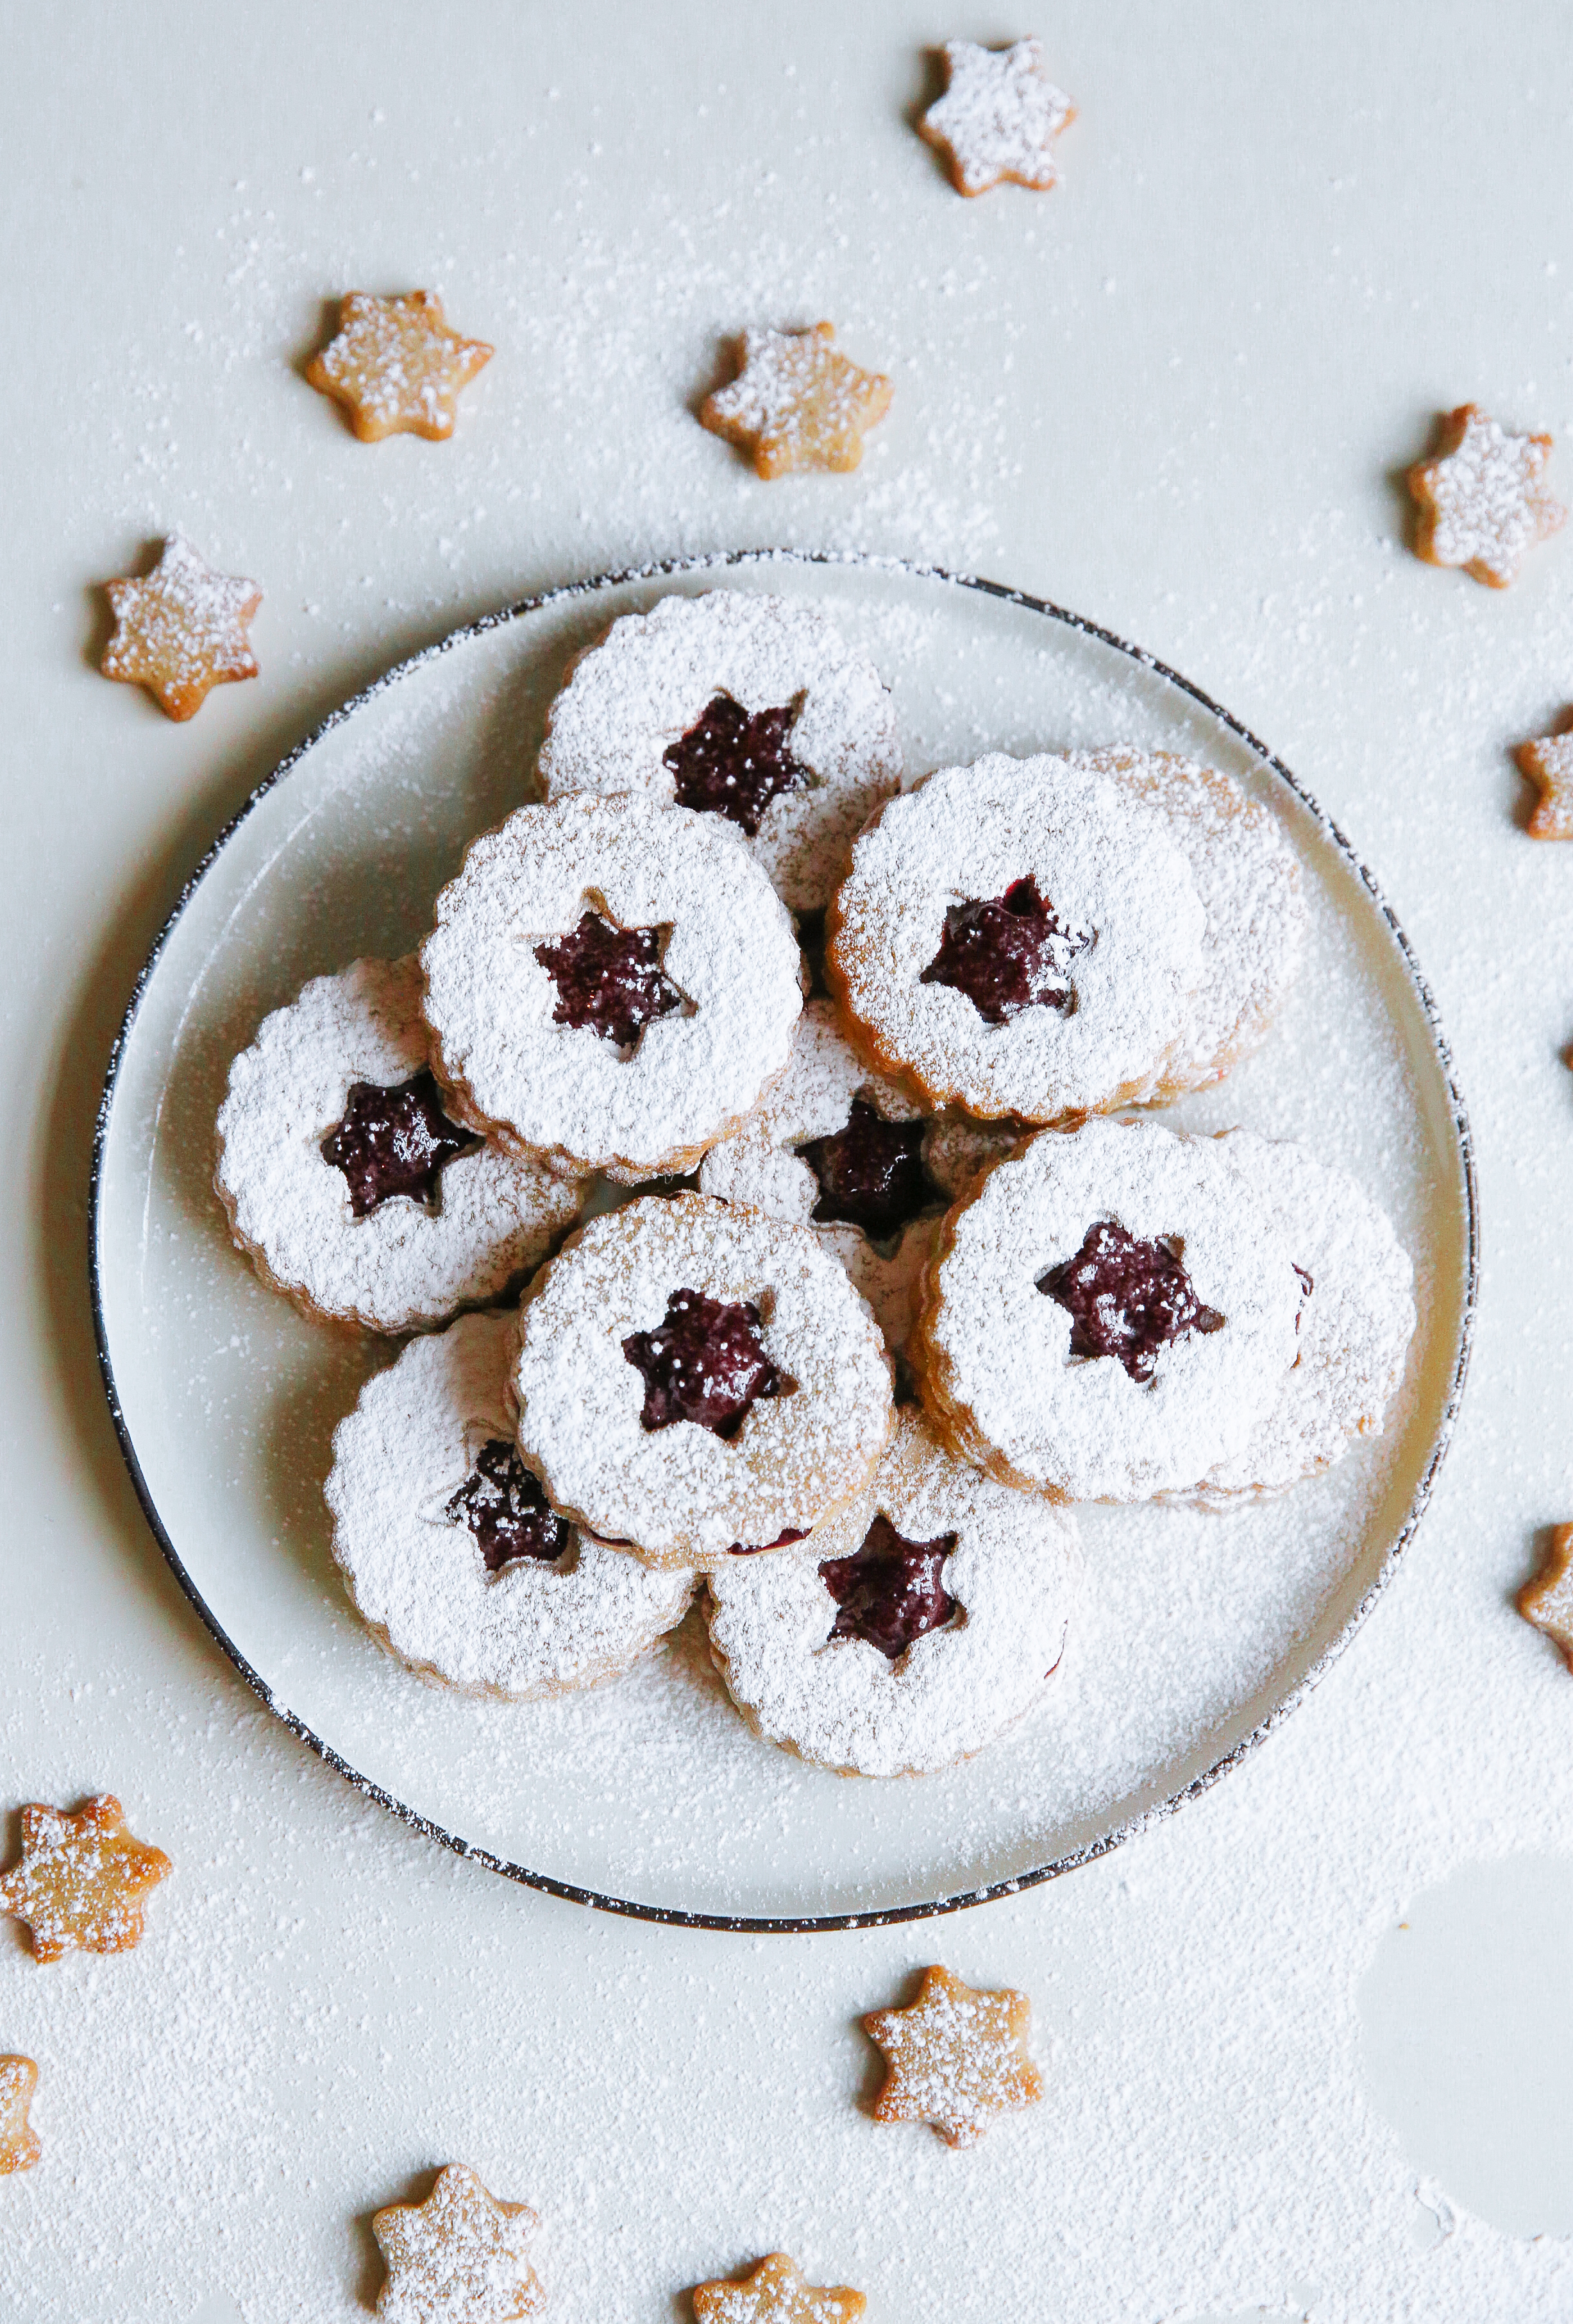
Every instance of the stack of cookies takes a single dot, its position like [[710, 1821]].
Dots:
[[744, 1149]]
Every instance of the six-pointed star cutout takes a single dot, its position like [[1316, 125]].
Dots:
[[775, 2293], [1547, 1602], [1549, 764], [19, 2143], [798, 404], [998, 116], [180, 630], [457, 2258], [1482, 496], [80, 1879], [396, 366], [956, 2058]]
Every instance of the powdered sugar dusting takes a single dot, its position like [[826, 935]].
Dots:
[[417, 1573], [404, 1265], [653, 675]]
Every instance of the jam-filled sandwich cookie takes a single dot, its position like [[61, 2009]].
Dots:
[[610, 985], [916, 1625], [347, 1182], [750, 710], [694, 1379], [449, 1548], [1248, 880], [1356, 1318], [1110, 1317], [1018, 936]]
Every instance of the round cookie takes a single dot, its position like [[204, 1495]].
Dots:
[[693, 1377], [1018, 936], [346, 1181], [915, 1626], [753, 711], [450, 1551], [610, 984], [1357, 1319], [1110, 1316], [1248, 880]]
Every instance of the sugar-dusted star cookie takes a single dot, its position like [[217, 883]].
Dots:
[[998, 116], [1549, 764], [20, 2145], [180, 630], [956, 2058], [1483, 497], [1547, 1602], [798, 404], [396, 366], [457, 2258], [80, 1879], [775, 2293]]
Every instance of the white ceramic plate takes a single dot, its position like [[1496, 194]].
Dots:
[[650, 1795]]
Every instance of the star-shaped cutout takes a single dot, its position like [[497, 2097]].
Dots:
[[1483, 498], [396, 366], [998, 118], [1547, 1602], [19, 2147], [1127, 1297], [956, 2058], [798, 404], [395, 1141], [611, 979], [180, 630], [457, 2258], [80, 1879], [1549, 764], [775, 2293]]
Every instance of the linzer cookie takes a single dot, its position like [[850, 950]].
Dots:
[[998, 116], [1111, 1316], [752, 710], [1483, 497], [347, 1181], [1248, 881], [1018, 937], [451, 1551], [1356, 1318], [693, 1377], [916, 1625], [181, 630], [797, 402], [610, 984]]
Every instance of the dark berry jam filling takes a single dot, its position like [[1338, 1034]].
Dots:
[[1126, 1299], [503, 1505], [732, 764], [752, 1548], [707, 1363], [610, 978], [395, 1141], [869, 1173], [1009, 953], [889, 1591]]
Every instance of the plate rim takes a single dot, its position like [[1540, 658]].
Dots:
[[960, 1900]]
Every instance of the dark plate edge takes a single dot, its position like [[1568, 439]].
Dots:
[[773, 1925]]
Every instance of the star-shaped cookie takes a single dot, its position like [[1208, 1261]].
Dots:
[[775, 2293], [457, 2258], [1483, 498], [798, 404], [998, 118], [80, 1879], [19, 2147], [956, 2058], [1549, 764], [396, 366], [180, 630], [1547, 1602]]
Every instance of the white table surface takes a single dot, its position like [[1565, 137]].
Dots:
[[1174, 394]]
